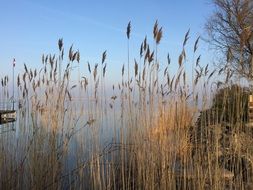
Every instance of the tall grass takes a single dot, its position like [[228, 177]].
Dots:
[[145, 135]]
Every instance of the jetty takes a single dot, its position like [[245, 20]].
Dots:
[[250, 111], [7, 116]]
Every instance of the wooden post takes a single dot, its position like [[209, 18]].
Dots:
[[13, 83], [250, 109]]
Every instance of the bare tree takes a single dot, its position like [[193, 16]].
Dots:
[[230, 30]]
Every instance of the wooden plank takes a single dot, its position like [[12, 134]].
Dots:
[[251, 98], [7, 111], [7, 121]]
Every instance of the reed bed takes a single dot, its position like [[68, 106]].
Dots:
[[148, 133]]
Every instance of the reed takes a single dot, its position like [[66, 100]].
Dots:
[[152, 131]]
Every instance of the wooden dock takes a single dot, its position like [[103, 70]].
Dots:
[[7, 116]]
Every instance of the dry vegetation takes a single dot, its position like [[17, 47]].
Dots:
[[144, 136]]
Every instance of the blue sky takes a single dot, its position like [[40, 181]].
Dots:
[[31, 28]]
